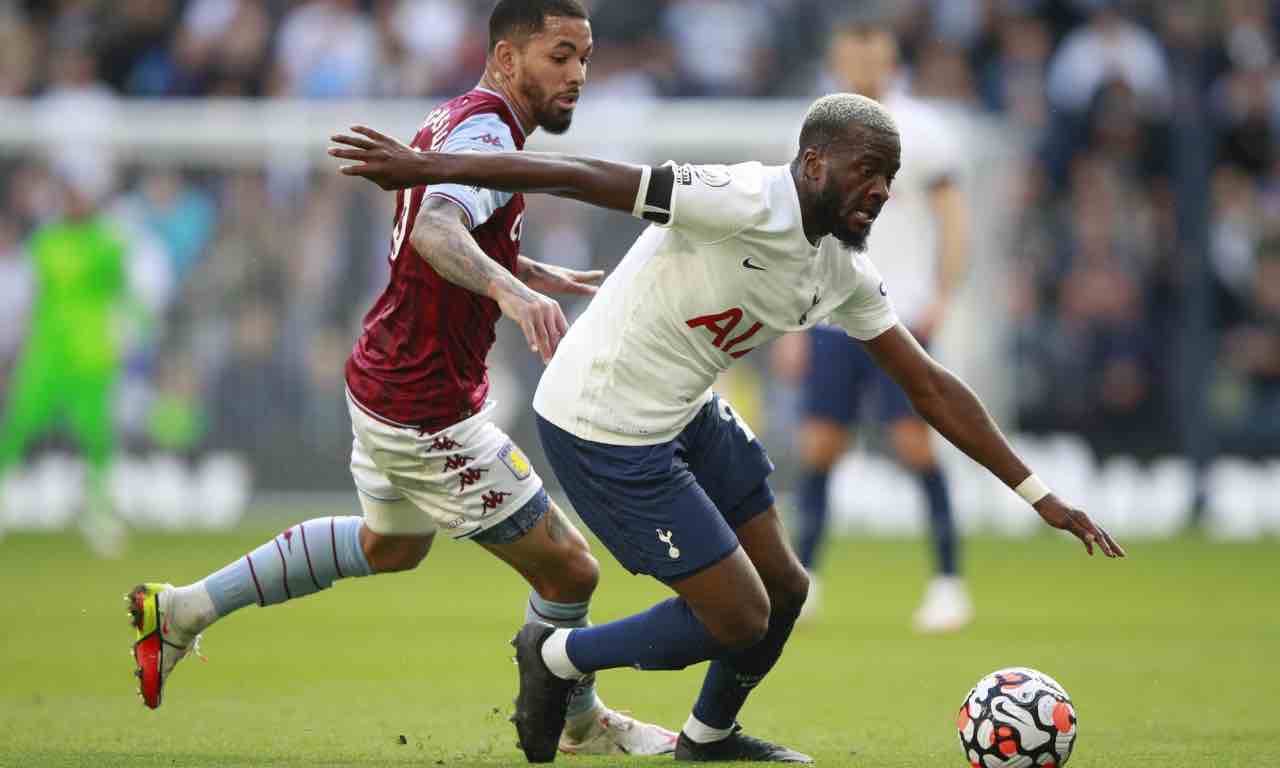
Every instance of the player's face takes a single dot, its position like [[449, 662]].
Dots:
[[553, 69], [856, 186]]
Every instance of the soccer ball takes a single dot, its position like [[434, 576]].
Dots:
[[1017, 718]]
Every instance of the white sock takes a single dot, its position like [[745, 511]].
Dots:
[[193, 608], [703, 733], [556, 657]]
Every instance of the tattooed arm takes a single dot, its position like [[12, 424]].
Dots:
[[440, 236]]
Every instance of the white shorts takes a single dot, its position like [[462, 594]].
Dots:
[[464, 479]]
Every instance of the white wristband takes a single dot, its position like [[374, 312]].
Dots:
[[1032, 490], [646, 173]]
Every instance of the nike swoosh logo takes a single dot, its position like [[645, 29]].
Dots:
[[883, 291], [747, 263]]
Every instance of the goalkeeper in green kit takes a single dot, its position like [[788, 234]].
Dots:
[[66, 373]]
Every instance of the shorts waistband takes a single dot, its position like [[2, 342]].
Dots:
[[426, 427]]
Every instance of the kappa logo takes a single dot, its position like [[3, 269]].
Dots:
[[469, 477], [492, 500], [516, 461], [444, 444], [673, 551], [749, 264], [456, 461]]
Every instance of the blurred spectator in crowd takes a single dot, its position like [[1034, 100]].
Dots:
[[1109, 47], [325, 49], [180, 215], [134, 51], [221, 48], [17, 53], [721, 46], [426, 46], [1251, 352], [1012, 77], [255, 398], [176, 421]]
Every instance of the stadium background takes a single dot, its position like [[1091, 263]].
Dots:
[[1122, 316], [1123, 299]]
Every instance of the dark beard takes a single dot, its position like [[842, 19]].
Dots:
[[829, 211], [546, 114]]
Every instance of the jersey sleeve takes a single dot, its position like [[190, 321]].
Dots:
[[868, 312], [484, 132], [708, 203]]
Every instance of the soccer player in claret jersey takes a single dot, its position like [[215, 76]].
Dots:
[[660, 467], [426, 453]]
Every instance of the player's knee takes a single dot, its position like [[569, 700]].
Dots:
[[744, 625], [788, 591], [582, 573], [572, 580], [822, 444], [392, 554]]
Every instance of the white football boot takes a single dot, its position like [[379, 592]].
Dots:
[[946, 607], [615, 733]]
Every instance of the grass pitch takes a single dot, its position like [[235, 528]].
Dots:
[[1171, 657]]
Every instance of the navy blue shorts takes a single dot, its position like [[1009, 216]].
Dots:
[[842, 378], [668, 510]]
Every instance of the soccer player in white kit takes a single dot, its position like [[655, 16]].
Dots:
[[920, 244], [659, 467]]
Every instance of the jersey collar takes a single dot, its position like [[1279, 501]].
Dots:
[[515, 116]]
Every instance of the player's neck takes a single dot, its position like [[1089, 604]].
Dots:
[[522, 111], [808, 219]]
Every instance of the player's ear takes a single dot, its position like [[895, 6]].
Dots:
[[814, 164], [504, 56]]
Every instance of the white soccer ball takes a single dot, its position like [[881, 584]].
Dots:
[[1017, 718]]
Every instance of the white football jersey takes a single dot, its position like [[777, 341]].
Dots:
[[904, 240], [727, 269]]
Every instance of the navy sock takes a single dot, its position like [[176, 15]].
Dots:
[[813, 517], [942, 525], [731, 679], [667, 636]]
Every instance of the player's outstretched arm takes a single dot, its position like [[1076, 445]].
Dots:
[[392, 165], [440, 236], [955, 411], [552, 278]]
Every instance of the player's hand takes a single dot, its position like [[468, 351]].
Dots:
[[1068, 518], [549, 278], [539, 317], [380, 159]]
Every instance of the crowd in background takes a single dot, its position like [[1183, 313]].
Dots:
[[226, 265]]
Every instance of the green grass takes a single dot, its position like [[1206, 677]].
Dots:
[[1171, 658]]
